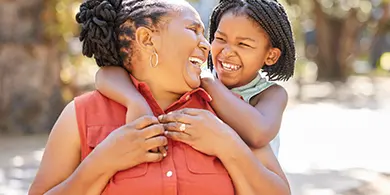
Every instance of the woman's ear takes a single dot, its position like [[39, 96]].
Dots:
[[144, 37], [147, 39], [273, 56]]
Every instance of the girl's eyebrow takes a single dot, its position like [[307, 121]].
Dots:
[[245, 39], [220, 32], [239, 38]]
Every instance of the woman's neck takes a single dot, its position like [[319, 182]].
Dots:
[[163, 98]]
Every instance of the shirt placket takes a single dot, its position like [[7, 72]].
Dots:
[[168, 170], [169, 173]]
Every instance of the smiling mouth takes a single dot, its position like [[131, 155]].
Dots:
[[230, 67], [196, 61]]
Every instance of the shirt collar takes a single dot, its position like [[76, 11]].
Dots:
[[144, 89]]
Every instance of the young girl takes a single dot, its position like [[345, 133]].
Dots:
[[247, 37]]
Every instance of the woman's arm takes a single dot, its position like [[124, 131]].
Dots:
[[60, 171], [257, 125], [255, 171], [115, 83]]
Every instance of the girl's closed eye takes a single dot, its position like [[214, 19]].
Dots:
[[219, 38], [244, 44]]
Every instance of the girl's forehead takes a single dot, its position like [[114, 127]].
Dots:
[[242, 19], [240, 24]]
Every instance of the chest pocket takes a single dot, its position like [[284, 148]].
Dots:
[[199, 163], [96, 134]]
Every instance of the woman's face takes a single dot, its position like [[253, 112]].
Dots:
[[182, 49], [239, 50]]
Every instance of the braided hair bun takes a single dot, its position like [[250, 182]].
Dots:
[[98, 25]]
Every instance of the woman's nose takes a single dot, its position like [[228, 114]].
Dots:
[[204, 45]]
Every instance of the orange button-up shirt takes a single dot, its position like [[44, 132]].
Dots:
[[184, 171]]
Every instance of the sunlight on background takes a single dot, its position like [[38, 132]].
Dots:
[[335, 132]]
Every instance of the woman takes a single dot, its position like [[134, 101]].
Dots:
[[92, 151]]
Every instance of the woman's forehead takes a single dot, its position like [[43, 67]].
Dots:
[[188, 15]]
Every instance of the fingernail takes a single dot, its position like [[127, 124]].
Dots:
[[160, 117], [169, 112], [166, 132]]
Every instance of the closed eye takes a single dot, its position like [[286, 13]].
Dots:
[[219, 38], [244, 44], [194, 29]]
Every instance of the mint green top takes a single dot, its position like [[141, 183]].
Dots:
[[256, 86]]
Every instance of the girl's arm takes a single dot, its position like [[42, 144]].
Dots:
[[115, 83], [257, 125]]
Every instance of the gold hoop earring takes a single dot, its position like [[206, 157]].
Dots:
[[151, 59]]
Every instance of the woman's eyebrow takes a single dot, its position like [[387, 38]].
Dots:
[[197, 25]]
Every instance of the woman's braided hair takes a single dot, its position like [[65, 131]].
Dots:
[[108, 27], [272, 17]]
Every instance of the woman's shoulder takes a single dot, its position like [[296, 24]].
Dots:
[[93, 108], [87, 97], [93, 100]]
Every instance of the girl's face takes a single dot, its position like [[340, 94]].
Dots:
[[240, 49]]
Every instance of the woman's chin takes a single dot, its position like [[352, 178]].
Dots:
[[194, 83], [193, 79]]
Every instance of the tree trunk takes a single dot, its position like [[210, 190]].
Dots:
[[327, 29], [30, 96], [336, 41]]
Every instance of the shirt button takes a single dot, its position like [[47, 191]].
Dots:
[[169, 174]]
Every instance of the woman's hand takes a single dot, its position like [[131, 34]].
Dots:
[[129, 145], [142, 109], [200, 129]]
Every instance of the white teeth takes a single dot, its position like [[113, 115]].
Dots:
[[196, 61], [230, 67]]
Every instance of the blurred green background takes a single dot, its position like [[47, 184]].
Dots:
[[335, 130]]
